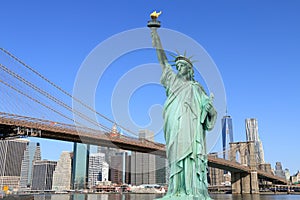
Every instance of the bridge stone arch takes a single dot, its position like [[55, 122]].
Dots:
[[238, 157], [244, 182], [246, 151]]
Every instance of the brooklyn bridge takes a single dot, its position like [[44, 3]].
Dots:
[[19, 92]]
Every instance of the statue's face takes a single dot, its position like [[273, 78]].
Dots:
[[183, 67]]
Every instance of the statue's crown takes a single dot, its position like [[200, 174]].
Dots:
[[180, 57]]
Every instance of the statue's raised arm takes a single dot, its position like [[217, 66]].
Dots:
[[154, 24]]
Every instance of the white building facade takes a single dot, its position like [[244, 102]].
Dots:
[[62, 173], [96, 162]]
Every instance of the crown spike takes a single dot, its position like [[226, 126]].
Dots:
[[173, 55], [182, 57]]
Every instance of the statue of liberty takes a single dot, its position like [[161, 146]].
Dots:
[[188, 114]]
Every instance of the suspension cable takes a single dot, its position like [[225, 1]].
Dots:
[[49, 96], [63, 91]]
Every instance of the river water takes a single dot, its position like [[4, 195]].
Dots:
[[147, 197]]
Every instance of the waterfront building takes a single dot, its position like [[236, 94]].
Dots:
[[43, 175], [227, 135], [96, 162], [11, 156], [226, 179], [295, 179], [215, 175], [278, 170], [32, 153], [109, 151], [80, 166], [287, 174], [252, 135], [120, 168], [105, 171], [161, 170], [143, 167], [62, 173], [266, 167]]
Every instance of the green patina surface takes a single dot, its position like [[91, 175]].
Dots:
[[188, 114]]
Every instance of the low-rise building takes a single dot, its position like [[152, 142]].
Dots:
[[296, 178]]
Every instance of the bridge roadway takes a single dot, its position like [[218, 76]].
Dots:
[[12, 125]]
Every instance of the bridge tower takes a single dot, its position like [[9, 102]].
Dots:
[[244, 182]]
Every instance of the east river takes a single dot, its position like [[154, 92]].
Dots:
[[147, 197]]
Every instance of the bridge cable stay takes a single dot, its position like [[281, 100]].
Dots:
[[12, 101], [33, 99], [47, 95], [21, 91], [40, 91], [63, 91], [17, 117]]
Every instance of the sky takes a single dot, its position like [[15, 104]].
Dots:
[[254, 45]]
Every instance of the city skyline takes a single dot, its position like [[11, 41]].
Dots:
[[57, 175], [254, 45]]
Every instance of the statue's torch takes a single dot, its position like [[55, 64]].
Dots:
[[154, 22]]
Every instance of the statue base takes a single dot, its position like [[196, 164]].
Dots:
[[184, 197]]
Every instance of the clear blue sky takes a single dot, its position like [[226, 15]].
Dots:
[[255, 45]]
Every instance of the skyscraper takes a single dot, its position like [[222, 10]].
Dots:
[[161, 170], [11, 156], [80, 166], [96, 162], [143, 167], [227, 135], [62, 173], [43, 174], [252, 135], [31, 154], [215, 175], [109, 151], [279, 171], [120, 168]]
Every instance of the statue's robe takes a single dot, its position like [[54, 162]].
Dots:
[[185, 123]]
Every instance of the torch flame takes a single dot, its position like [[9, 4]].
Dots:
[[155, 15]]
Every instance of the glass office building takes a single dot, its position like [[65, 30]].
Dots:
[[31, 154], [80, 166], [227, 135], [43, 174]]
